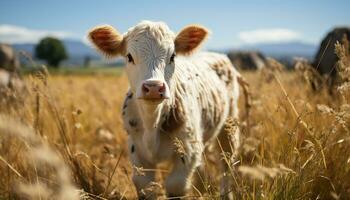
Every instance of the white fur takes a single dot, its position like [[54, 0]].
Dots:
[[203, 93]]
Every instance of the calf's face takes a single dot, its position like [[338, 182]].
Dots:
[[150, 50]]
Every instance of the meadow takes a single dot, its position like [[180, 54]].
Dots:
[[63, 138]]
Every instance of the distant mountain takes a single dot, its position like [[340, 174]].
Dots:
[[29, 48], [78, 48], [77, 51]]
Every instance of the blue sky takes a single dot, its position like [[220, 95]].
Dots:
[[233, 23]]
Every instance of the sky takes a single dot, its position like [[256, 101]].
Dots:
[[232, 23]]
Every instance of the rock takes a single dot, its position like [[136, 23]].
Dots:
[[325, 59], [8, 58], [247, 60]]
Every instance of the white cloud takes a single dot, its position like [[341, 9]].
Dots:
[[268, 36], [16, 34]]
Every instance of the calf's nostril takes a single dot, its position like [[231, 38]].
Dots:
[[144, 88], [162, 88]]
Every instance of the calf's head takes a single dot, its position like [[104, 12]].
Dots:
[[150, 50]]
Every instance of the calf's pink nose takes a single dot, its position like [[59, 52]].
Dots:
[[153, 89]]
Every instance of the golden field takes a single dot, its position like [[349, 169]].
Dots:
[[63, 139]]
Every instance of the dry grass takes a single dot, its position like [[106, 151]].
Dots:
[[66, 134]]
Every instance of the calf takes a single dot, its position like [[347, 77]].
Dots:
[[176, 97]]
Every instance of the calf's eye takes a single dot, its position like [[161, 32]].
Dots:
[[130, 59], [172, 58]]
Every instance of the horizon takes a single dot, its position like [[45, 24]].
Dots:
[[263, 22]]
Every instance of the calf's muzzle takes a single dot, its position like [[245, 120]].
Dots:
[[153, 90]]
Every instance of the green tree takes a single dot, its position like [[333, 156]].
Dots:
[[51, 50]]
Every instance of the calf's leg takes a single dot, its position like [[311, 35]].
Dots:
[[179, 180], [141, 178]]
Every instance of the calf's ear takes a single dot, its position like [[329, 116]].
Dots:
[[107, 40], [190, 38]]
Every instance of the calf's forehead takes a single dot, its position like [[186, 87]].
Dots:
[[148, 35]]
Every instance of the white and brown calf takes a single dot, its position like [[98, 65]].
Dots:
[[175, 94]]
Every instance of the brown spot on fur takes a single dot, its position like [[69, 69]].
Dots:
[[129, 95], [183, 159], [215, 66], [125, 104], [133, 122]]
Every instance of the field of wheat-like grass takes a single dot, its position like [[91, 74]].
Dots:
[[63, 138]]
